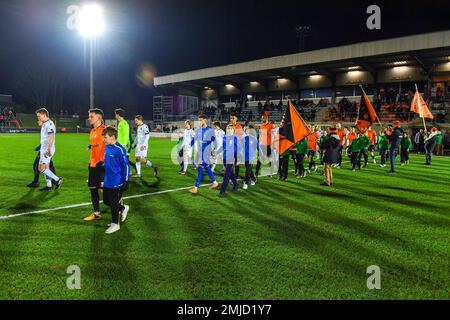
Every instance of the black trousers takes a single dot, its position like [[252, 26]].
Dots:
[[283, 166], [404, 155], [429, 149], [249, 175], [299, 163], [111, 198], [311, 155], [363, 153], [267, 153], [229, 175], [340, 150], [356, 160], [383, 155], [36, 171]]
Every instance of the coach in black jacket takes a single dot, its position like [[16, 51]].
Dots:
[[331, 155]]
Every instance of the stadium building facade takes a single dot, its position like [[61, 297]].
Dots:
[[321, 77]]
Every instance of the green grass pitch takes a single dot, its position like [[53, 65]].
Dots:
[[277, 240]]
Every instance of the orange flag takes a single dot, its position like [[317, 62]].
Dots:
[[418, 105], [292, 129], [366, 114]]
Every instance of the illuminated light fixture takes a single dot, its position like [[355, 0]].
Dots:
[[353, 68], [400, 69], [254, 83], [282, 79], [354, 73], [399, 63], [315, 76], [207, 88], [229, 86], [92, 22]]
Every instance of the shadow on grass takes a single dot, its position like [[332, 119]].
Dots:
[[209, 270], [343, 254], [33, 199], [108, 269]]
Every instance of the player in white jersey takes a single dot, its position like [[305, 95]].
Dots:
[[141, 141], [187, 146], [219, 134], [47, 151]]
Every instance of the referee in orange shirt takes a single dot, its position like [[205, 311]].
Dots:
[[96, 169]]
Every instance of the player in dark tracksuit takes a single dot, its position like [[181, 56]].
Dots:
[[117, 173], [251, 146], [230, 150]]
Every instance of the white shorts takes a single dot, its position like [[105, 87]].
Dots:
[[141, 154], [187, 152], [45, 159]]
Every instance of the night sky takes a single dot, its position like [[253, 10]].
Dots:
[[177, 36]]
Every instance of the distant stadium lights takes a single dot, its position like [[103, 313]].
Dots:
[[354, 68], [354, 73], [91, 20], [400, 69], [399, 63]]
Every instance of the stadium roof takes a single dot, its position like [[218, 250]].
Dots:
[[423, 50]]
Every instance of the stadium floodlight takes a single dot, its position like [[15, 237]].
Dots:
[[90, 25], [91, 20]]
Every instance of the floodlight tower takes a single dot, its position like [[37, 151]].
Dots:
[[91, 24]]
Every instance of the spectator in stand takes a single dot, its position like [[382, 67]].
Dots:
[[439, 94], [333, 113], [313, 114], [280, 105], [382, 94], [353, 111], [260, 107]]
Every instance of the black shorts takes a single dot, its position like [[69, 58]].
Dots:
[[372, 148], [311, 153], [96, 176]]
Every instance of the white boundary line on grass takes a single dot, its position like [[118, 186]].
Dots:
[[85, 204]]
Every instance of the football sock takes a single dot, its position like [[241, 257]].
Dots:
[[50, 174]]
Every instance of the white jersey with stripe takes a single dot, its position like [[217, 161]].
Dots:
[[143, 135], [219, 137], [48, 128], [188, 137]]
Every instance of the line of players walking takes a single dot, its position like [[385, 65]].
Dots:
[[206, 148]]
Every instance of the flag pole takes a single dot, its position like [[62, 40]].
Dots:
[[420, 108], [376, 115]]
